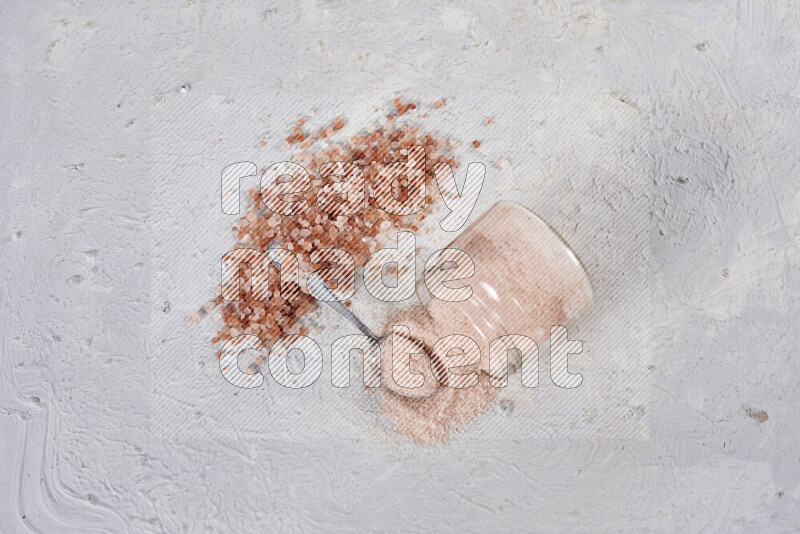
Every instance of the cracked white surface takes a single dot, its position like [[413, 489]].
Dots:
[[660, 139]]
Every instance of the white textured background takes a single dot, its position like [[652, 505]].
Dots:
[[661, 139]]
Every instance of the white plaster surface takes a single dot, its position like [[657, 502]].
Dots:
[[660, 139]]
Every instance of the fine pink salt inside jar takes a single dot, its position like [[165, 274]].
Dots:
[[526, 280]]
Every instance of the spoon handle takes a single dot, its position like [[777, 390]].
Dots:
[[319, 289], [323, 293]]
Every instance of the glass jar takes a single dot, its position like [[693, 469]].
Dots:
[[526, 279]]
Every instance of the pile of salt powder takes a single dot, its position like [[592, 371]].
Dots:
[[431, 419]]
